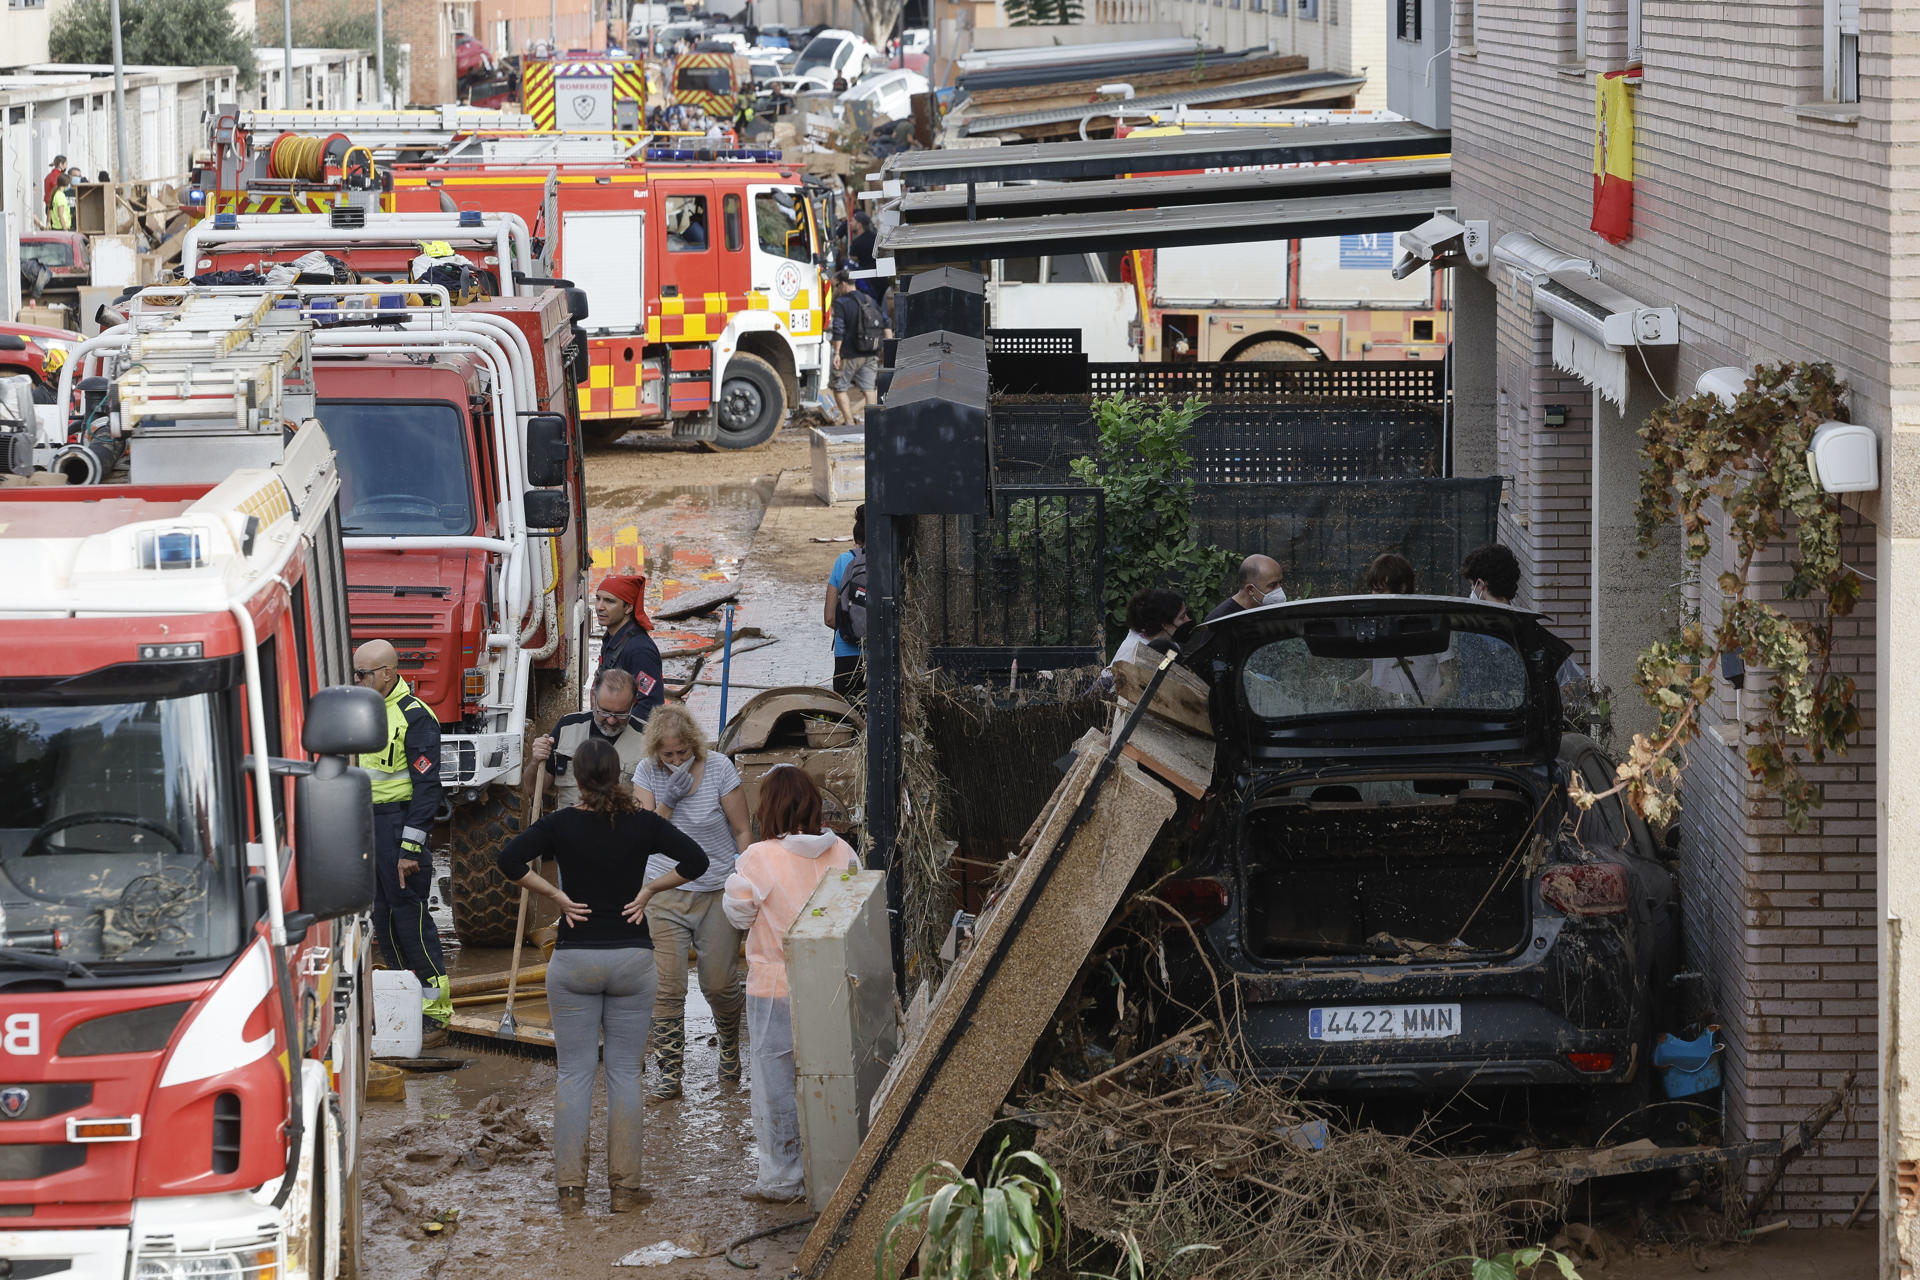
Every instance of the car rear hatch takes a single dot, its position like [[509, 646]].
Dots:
[[1390, 756]]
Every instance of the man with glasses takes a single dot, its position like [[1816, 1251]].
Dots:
[[611, 720], [406, 798]]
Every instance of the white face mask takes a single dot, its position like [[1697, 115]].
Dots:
[[1276, 596]]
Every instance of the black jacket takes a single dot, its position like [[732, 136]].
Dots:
[[603, 864]]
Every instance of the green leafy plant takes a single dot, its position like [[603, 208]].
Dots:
[[1746, 462], [178, 33], [1146, 474], [1000, 1228], [1508, 1266]]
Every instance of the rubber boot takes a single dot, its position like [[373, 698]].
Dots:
[[729, 1029], [669, 1049], [573, 1202]]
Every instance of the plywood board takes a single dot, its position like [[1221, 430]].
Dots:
[[1182, 758], [1181, 698], [992, 1009]]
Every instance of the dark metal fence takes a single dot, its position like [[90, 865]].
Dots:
[[1036, 438], [1303, 380], [1033, 342], [1324, 534], [1021, 585]]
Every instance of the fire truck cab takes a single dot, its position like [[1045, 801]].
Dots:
[[462, 497], [185, 840], [708, 302]]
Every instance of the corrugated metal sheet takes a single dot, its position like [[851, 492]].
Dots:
[[1320, 82]]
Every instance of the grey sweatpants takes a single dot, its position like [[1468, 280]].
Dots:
[[776, 1112], [591, 993]]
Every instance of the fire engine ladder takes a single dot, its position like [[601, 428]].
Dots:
[[547, 148], [216, 363], [426, 127]]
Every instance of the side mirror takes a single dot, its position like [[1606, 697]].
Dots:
[[333, 840], [546, 450], [577, 304], [547, 512], [579, 364], [345, 722]]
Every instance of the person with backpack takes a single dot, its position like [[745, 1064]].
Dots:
[[857, 331], [846, 611]]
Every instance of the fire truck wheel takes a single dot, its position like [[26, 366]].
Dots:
[[1274, 351], [751, 405], [485, 903]]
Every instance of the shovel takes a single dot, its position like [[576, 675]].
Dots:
[[507, 1029]]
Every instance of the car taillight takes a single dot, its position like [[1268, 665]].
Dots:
[[1585, 889], [1591, 1062], [1199, 902]]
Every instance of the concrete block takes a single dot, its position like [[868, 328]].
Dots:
[[994, 1005]]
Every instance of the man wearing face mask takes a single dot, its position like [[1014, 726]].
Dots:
[[1493, 575], [1259, 584], [611, 721]]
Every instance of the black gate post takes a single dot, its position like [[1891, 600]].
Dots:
[[882, 650]]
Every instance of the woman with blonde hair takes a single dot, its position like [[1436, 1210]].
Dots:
[[699, 792], [600, 980], [770, 884]]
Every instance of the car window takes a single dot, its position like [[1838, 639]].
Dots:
[[687, 224], [1284, 679], [48, 253], [778, 226]]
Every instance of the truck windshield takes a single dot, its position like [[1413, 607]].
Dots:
[[704, 80], [779, 223], [114, 828], [403, 467]]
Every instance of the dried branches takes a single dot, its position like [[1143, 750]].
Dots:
[[1192, 1170]]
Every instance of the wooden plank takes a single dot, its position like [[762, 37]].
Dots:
[[1181, 758], [1181, 698], [697, 601], [989, 1014]]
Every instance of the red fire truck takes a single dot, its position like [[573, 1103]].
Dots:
[[185, 847], [703, 268], [463, 500]]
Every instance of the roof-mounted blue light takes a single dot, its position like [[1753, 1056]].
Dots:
[[225, 221], [470, 217]]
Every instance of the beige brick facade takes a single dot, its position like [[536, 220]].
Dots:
[[1781, 229]]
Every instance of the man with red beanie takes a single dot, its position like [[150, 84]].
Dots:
[[620, 604]]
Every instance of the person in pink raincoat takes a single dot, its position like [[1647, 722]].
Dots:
[[770, 883]]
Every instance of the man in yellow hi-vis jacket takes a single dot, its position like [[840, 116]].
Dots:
[[406, 796]]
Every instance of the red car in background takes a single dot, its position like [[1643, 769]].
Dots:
[[471, 59], [62, 253]]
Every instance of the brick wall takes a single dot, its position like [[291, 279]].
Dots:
[[1769, 229]]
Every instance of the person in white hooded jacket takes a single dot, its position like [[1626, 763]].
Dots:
[[770, 884]]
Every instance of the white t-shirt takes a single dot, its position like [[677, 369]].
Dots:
[[699, 815]]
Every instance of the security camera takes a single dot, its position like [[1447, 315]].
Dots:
[[1407, 265], [1436, 235]]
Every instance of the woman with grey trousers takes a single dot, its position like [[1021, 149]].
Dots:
[[600, 982]]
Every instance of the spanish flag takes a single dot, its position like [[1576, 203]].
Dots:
[[1612, 158]]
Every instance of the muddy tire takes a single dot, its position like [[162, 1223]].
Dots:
[[1275, 351], [602, 433], [750, 405], [485, 904]]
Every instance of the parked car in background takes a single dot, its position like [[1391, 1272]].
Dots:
[[890, 93], [916, 40], [1388, 866], [63, 254], [471, 59], [835, 54]]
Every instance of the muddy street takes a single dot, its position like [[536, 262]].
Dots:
[[467, 1150]]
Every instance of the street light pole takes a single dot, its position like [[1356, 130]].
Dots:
[[380, 52], [119, 98], [286, 46]]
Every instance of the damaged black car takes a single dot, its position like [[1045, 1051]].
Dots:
[[1389, 872]]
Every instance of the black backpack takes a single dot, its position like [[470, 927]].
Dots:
[[869, 327], [850, 617]]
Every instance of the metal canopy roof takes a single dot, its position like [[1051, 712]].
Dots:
[[1110, 158], [1318, 84], [912, 246], [923, 207]]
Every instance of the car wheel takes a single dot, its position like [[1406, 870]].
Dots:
[[751, 404]]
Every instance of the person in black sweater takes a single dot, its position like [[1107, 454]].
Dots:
[[601, 978]]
